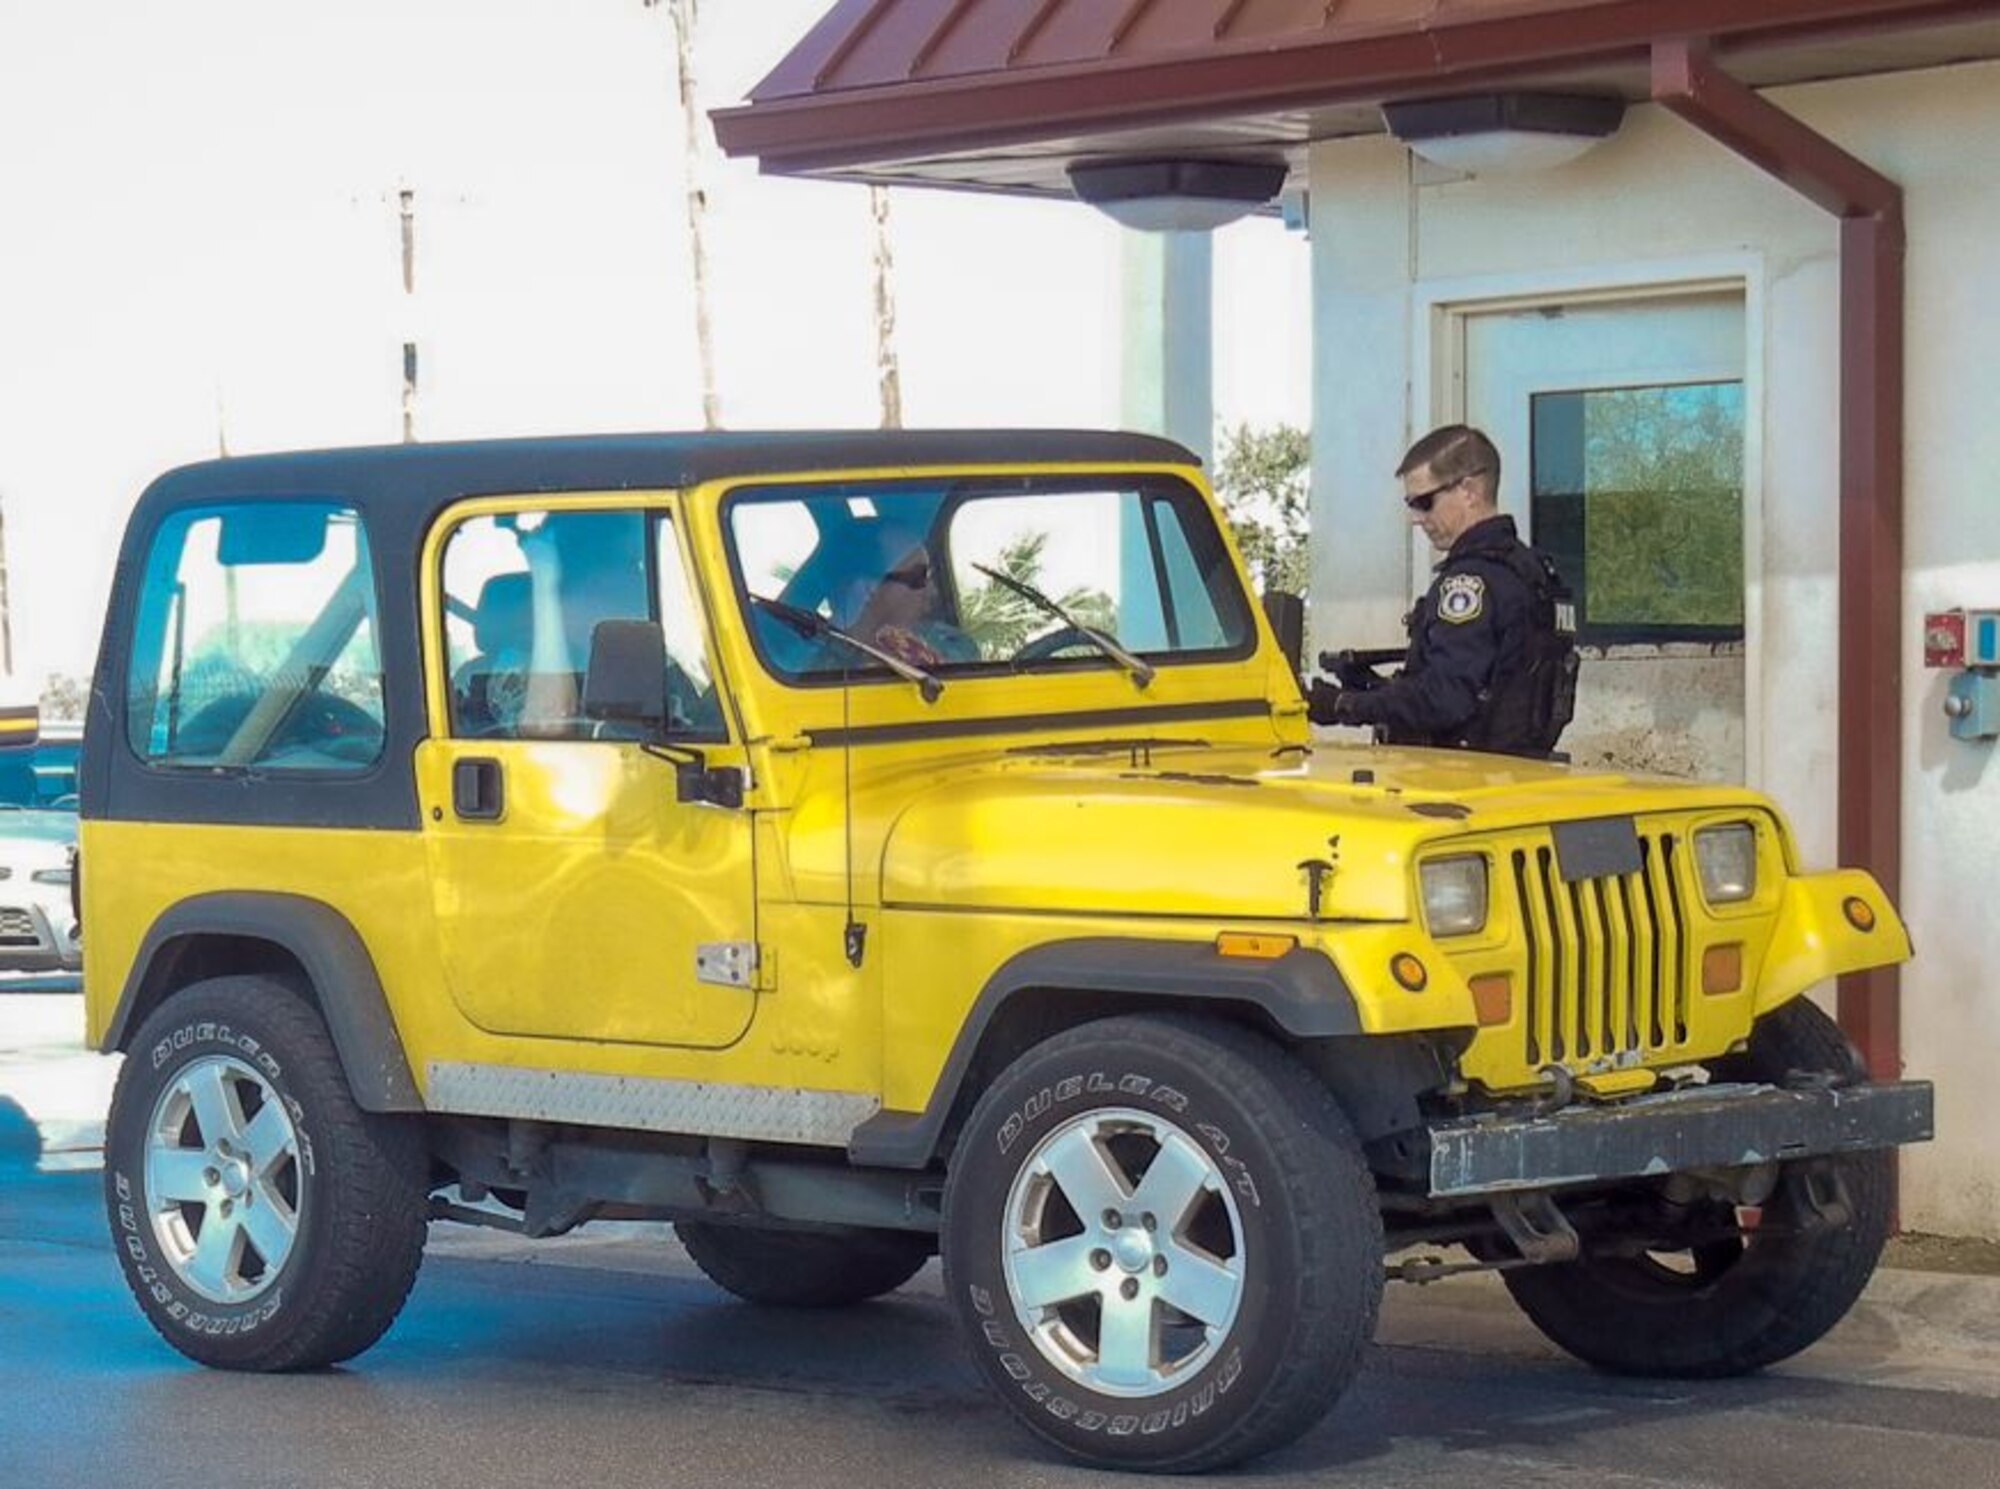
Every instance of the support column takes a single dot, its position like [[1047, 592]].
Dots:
[[1870, 209], [1168, 368]]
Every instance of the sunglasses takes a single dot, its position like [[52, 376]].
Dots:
[[1423, 501], [910, 576]]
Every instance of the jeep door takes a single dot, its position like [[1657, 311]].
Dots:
[[573, 889]]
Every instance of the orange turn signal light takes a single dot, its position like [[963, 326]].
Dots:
[[1254, 944], [1722, 968], [1408, 971], [1493, 998], [1860, 914]]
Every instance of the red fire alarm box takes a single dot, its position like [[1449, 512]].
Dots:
[[1944, 638]]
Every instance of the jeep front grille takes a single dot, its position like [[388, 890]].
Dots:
[[1608, 959], [17, 928]]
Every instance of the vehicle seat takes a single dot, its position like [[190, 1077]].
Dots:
[[487, 688]]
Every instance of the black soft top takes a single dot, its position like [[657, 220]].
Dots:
[[426, 477]]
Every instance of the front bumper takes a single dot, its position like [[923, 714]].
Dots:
[[38, 937], [1651, 1136]]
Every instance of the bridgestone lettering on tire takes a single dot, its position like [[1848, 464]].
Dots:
[[262, 1220], [1731, 1307], [1162, 1243]]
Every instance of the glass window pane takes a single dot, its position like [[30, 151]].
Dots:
[[1067, 546], [1638, 498], [523, 593], [694, 706], [909, 568], [255, 642]]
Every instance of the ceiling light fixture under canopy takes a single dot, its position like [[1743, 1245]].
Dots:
[[1503, 133], [1177, 196]]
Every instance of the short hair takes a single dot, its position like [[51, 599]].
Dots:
[[1454, 453]]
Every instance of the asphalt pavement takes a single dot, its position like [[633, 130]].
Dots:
[[605, 1357]]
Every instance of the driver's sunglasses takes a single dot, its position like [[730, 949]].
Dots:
[[911, 576]]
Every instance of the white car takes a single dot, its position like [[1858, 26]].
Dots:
[[38, 923]]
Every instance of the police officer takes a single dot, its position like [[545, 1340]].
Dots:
[[1492, 658]]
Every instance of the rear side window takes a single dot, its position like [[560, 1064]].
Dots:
[[254, 644]]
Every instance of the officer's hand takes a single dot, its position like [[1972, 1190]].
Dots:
[[1353, 674], [1322, 701]]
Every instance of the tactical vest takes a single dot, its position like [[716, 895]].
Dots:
[[1526, 712]]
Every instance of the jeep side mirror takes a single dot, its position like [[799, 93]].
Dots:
[[1287, 615], [626, 682]]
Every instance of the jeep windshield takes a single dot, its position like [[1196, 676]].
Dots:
[[921, 570]]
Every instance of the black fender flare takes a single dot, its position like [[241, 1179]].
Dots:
[[1302, 993], [345, 985]]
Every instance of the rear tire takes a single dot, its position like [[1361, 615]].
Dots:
[[1163, 1244], [1730, 1307], [804, 1269], [263, 1221]]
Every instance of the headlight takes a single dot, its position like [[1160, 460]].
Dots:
[[1454, 895], [1727, 858], [50, 876]]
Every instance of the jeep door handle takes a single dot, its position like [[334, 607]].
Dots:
[[478, 791]]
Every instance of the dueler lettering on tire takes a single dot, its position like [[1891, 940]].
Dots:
[[263, 1221], [1162, 1243]]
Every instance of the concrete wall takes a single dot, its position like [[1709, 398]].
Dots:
[[1661, 204], [1666, 710]]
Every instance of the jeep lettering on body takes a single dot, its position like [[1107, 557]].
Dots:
[[859, 848]]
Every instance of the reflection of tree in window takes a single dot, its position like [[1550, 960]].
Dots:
[[1001, 620], [1638, 497]]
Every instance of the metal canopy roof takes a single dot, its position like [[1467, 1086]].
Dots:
[[1001, 95]]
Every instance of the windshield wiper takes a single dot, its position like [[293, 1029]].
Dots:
[[1142, 671], [812, 625]]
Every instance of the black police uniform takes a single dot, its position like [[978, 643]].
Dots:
[[1492, 659]]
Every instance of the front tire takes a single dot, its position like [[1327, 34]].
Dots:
[[1163, 1244], [263, 1221], [1729, 1307], [804, 1269]]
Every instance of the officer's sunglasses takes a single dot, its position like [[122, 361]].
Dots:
[[1423, 501], [915, 575]]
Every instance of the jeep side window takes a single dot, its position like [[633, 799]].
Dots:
[[255, 642], [524, 591]]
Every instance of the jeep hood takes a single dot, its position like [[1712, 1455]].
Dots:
[[1224, 834]]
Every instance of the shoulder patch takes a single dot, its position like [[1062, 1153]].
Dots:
[[1461, 598]]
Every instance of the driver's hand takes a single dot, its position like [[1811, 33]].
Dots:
[[906, 645]]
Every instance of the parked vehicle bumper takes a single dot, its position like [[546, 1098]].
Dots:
[[36, 937]]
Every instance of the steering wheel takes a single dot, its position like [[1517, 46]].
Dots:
[[323, 722], [1041, 648]]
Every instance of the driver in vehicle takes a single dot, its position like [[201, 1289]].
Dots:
[[903, 615]]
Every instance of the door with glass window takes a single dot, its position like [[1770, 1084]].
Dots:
[[577, 896], [1621, 431]]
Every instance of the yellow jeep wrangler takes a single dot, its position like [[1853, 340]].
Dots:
[[855, 847]]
